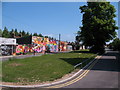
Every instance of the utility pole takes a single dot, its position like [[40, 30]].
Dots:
[[59, 42]]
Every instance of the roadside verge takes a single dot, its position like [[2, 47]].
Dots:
[[51, 84]]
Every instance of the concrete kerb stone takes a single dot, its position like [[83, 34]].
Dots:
[[45, 85], [83, 61]]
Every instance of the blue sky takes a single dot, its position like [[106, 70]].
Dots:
[[47, 18]]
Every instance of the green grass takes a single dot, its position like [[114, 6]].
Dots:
[[41, 68]]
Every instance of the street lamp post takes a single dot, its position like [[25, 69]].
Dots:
[[59, 42]]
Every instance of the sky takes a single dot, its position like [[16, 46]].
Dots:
[[119, 19], [47, 18], [0, 14]]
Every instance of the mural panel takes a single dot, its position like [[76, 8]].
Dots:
[[40, 44]]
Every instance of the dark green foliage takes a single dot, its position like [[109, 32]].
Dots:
[[27, 34], [5, 33], [12, 33], [98, 25], [46, 36], [16, 32], [0, 33], [115, 45], [35, 34], [20, 34], [40, 35], [23, 33]]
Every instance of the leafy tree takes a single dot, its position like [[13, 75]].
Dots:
[[47, 37], [12, 33], [98, 25], [27, 34], [35, 34], [0, 33], [16, 32], [115, 45], [40, 35], [20, 34], [23, 33], [5, 33]]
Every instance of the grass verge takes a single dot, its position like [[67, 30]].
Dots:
[[42, 68]]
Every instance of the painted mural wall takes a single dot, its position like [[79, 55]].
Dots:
[[21, 49], [40, 44]]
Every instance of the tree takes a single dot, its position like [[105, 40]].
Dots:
[[12, 33], [40, 35], [27, 34], [115, 45], [5, 33], [46, 37], [98, 25], [20, 33], [35, 34], [23, 33], [0, 33], [16, 32]]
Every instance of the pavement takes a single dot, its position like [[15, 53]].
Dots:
[[5, 58], [102, 73]]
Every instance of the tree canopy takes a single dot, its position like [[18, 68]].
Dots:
[[17, 33], [0, 32], [5, 33], [98, 25], [115, 45]]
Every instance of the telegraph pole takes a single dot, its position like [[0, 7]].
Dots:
[[59, 42]]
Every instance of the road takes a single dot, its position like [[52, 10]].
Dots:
[[103, 73]]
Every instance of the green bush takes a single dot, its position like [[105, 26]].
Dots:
[[115, 45]]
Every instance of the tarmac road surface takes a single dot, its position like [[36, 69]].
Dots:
[[105, 73]]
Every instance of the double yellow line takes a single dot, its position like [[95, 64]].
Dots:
[[76, 79]]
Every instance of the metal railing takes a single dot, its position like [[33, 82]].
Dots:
[[85, 61]]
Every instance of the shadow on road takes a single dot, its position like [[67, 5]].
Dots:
[[108, 62]]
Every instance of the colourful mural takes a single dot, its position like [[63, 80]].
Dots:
[[44, 44], [20, 49], [41, 44]]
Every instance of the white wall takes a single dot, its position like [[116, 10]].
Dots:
[[7, 41]]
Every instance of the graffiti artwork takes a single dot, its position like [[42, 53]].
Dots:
[[22, 49], [40, 44]]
